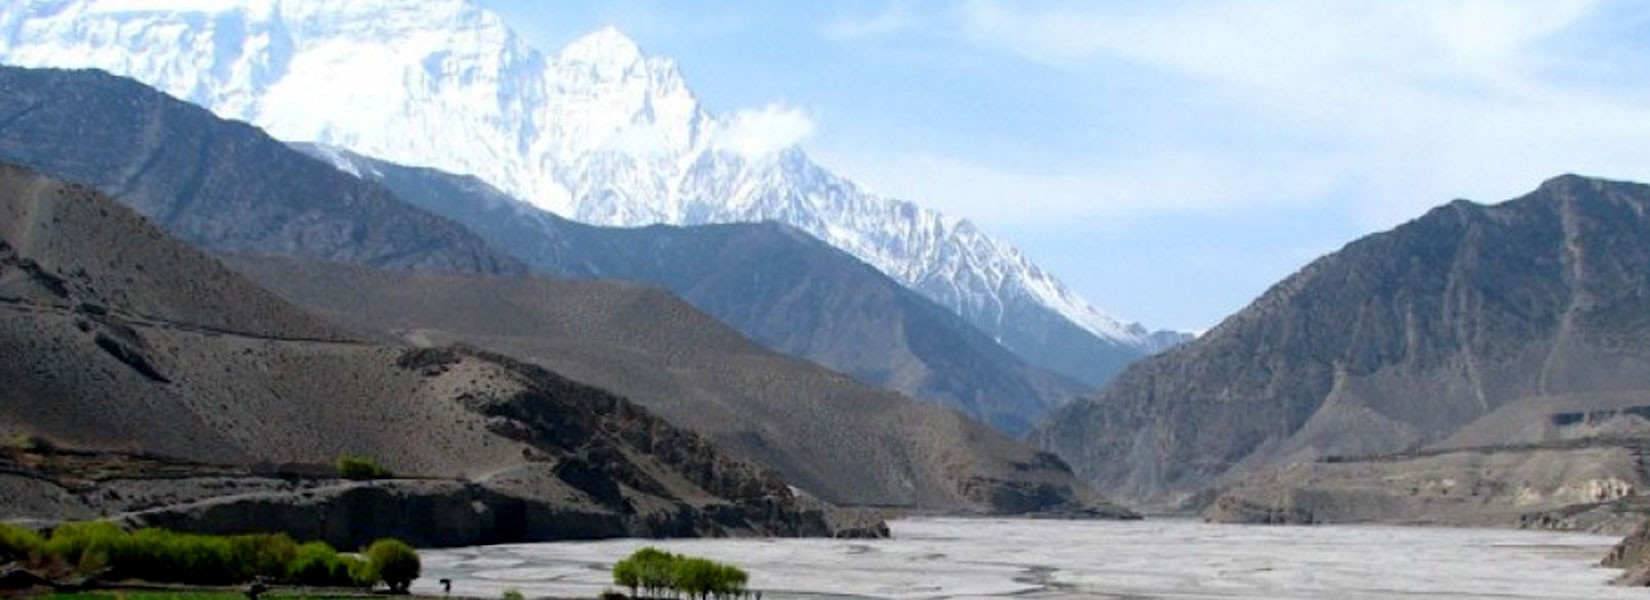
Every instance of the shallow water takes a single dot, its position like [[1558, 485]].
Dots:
[[991, 558]]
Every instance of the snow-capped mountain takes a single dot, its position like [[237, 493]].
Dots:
[[599, 132]]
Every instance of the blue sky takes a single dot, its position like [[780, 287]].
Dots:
[[1167, 159]]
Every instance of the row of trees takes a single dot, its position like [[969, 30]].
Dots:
[[654, 572], [159, 555]]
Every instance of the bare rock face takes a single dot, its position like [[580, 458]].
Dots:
[[115, 338], [1473, 325]]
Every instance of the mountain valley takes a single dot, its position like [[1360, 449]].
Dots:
[[381, 268]]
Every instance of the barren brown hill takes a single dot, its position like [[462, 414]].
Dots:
[[828, 434], [1473, 325], [115, 337]]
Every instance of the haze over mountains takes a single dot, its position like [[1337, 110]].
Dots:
[[773, 283], [183, 166], [838, 439], [599, 133], [1516, 323]]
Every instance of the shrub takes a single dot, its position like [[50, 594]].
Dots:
[[360, 571], [318, 564], [19, 543], [394, 562], [70, 542], [513, 594], [361, 468], [167, 556], [263, 555]]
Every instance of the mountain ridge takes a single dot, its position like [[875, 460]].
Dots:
[[184, 168], [601, 133], [1471, 325], [773, 282], [842, 438], [829, 435]]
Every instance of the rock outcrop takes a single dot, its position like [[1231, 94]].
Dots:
[[1632, 555]]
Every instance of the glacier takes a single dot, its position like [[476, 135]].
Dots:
[[600, 132]]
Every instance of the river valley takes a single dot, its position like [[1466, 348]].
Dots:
[[930, 559]]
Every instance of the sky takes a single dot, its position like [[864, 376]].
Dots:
[[1168, 160]]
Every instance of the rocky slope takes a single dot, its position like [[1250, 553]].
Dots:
[[1470, 326], [773, 283], [1633, 556], [832, 437], [1576, 485], [599, 132], [117, 338], [214, 183]]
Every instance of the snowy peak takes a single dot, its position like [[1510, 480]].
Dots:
[[606, 49], [606, 96], [599, 132]]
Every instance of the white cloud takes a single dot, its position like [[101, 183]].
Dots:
[[1418, 101], [757, 133]]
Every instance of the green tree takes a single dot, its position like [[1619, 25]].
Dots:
[[729, 581], [654, 569], [627, 575], [693, 576], [394, 562]]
